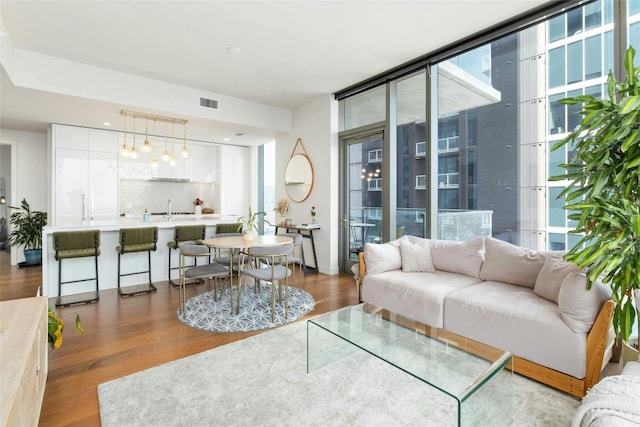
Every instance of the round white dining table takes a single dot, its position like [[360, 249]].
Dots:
[[237, 243]]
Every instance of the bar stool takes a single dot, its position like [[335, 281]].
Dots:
[[185, 233], [143, 239], [76, 244]]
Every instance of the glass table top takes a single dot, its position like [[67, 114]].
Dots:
[[452, 364]]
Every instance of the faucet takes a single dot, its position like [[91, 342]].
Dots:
[[169, 208]]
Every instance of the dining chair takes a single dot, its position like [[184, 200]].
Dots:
[[210, 270], [227, 229], [295, 260], [269, 264]]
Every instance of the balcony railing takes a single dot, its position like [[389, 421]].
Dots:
[[447, 145], [449, 180]]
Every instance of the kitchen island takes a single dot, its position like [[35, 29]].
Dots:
[[81, 268]]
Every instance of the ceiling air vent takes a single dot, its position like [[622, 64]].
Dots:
[[208, 103]]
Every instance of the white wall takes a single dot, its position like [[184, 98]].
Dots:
[[316, 124], [29, 150]]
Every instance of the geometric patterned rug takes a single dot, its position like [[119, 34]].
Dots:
[[204, 313]]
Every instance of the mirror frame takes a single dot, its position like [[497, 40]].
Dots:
[[299, 191]]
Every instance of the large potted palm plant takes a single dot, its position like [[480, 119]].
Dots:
[[604, 189], [27, 231]]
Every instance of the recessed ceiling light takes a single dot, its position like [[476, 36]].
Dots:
[[106, 124], [233, 50], [226, 139]]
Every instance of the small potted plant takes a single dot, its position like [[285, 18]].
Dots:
[[313, 214], [282, 207], [27, 231], [249, 224], [55, 325]]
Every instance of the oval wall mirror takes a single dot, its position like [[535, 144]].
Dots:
[[298, 177]]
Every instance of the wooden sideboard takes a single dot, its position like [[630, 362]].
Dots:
[[24, 355]]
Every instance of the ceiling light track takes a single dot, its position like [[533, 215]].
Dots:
[[147, 147]]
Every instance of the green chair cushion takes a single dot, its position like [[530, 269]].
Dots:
[[75, 244], [137, 239], [77, 253], [139, 247], [183, 233], [226, 228]]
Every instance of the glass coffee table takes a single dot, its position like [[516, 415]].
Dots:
[[465, 370]]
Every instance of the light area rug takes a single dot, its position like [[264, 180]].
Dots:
[[206, 313], [263, 381]]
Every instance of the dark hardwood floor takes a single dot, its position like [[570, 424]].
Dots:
[[126, 335]]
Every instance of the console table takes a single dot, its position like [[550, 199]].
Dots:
[[306, 232]]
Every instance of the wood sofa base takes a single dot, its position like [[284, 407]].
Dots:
[[596, 347]]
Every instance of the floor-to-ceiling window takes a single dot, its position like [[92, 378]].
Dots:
[[477, 158]]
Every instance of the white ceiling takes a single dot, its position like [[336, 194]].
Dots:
[[290, 52]]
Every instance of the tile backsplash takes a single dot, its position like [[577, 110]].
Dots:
[[137, 195]]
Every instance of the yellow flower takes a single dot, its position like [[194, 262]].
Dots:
[[55, 327], [58, 334]]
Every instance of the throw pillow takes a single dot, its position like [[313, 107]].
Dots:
[[553, 272], [457, 257], [382, 257], [504, 262], [416, 257], [579, 306]]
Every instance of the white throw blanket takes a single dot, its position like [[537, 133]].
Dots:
[[614, 401]]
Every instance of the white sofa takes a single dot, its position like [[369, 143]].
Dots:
[[532, 304]]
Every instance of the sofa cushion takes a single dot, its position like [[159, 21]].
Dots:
[[504, 262], [579, 306], [457, 257], [416, 257], [383, 257], [515, 319], [553, 272], [419, 296]]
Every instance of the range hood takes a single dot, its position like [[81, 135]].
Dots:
[[170, 179]]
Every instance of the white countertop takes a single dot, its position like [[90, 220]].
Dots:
[[155, 221]]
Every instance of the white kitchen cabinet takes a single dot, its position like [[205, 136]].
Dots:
[[105, 141], [135, 169], [180, 171], [204, 167], [232, 194], [86, 185], [71, 137], [85, 174]]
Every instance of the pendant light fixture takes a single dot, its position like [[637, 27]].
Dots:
[[154, 159], [185, 150], [172, 158], [150, 147], [165, 153], [124, 152], [134, 149], [146, 146]]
